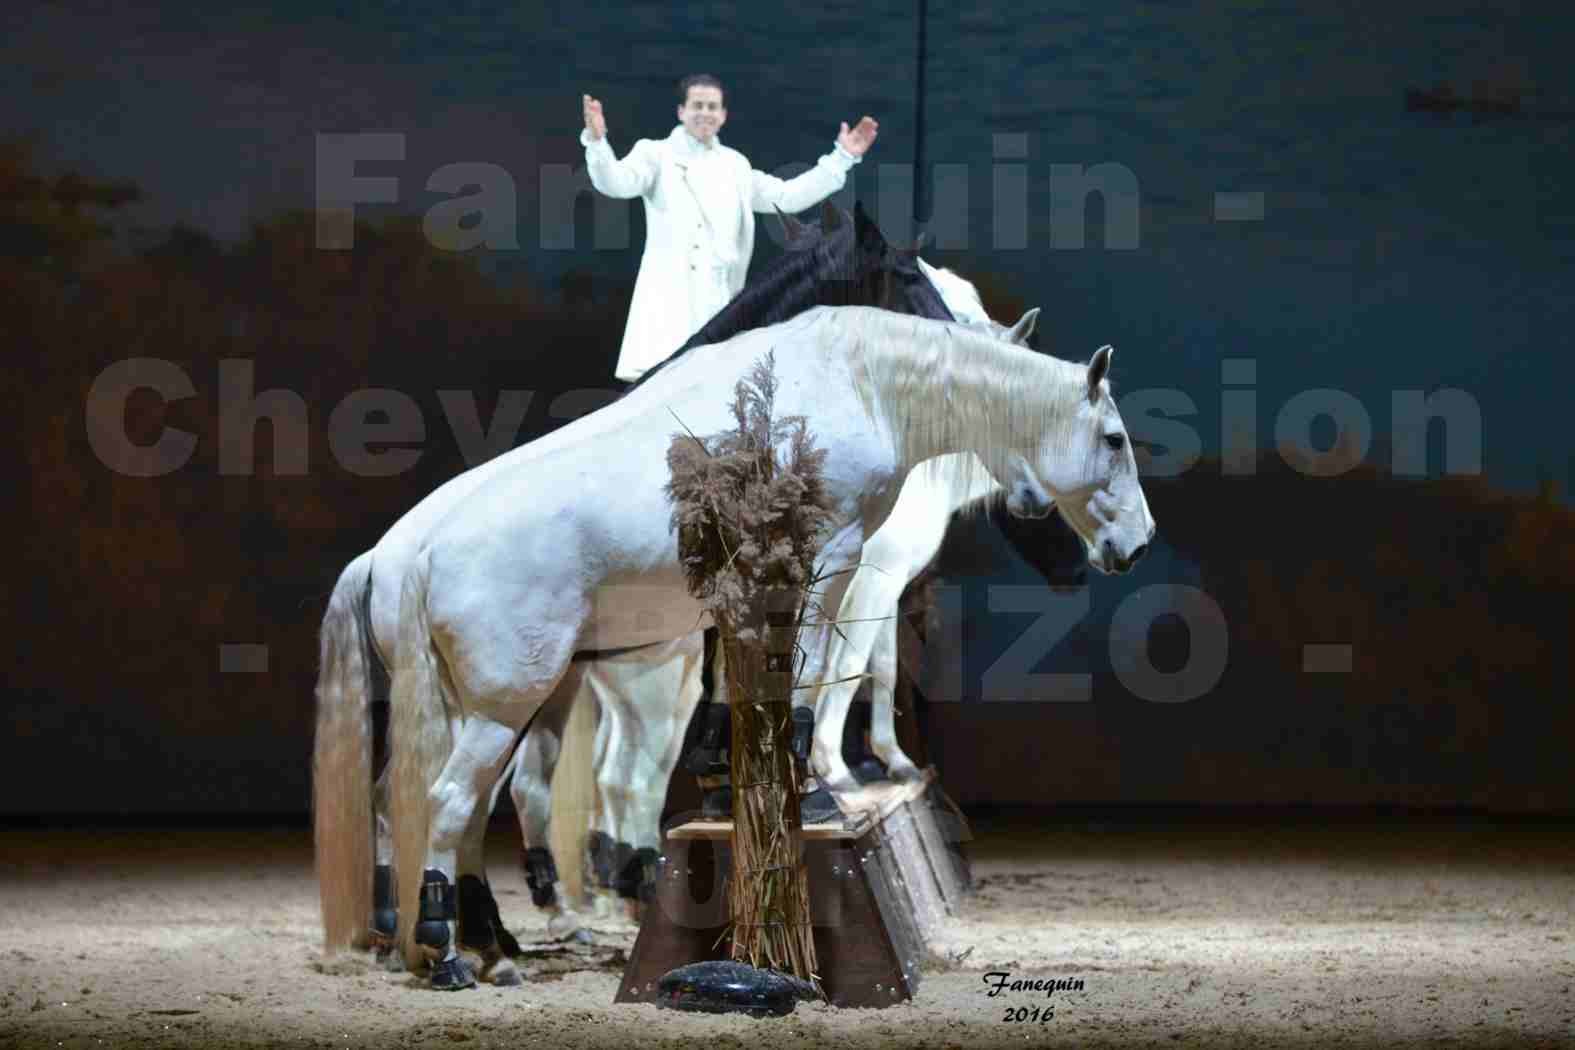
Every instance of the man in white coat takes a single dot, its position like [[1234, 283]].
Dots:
[[700, 199]]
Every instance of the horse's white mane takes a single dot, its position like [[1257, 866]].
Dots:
[[944, 385]]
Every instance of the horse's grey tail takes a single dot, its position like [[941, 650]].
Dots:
[[342, 763]]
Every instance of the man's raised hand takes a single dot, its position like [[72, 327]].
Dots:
[[597, 124], [860, 138]]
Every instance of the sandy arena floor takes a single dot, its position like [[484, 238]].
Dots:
[[1194, 933]]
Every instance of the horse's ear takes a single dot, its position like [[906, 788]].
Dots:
[[1098, 368], [792, 229], [1024, 328], [830, 217], [866, 228], [867, 233]]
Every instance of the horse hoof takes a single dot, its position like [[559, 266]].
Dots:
[[565, 927], [818, 807], [388, 957], [578, 935], [870, 771], [507, 944], [451, 975], [505, 975], [717, 804]]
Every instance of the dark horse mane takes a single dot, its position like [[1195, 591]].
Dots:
[[842, 261]]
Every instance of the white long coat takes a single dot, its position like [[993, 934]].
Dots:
[[685, 277]]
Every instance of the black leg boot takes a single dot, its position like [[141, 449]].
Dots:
[[438, 909], [866, 768], [706, 742]]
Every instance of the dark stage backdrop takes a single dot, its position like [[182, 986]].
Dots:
[[1237, 196]]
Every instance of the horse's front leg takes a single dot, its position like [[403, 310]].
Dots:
[[662, 692], [600, 821], [883, 691], [531, 789], [828, 639], [533, 802], [866, 608], [606, 817], [465, 786]]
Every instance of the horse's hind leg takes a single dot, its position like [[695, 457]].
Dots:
[[464, 787], [385, 909]]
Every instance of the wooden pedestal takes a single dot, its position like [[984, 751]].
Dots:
[[878, 886], [866, 942]]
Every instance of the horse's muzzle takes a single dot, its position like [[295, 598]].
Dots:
[[1116, 563]]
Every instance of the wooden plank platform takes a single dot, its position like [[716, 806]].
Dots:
[[722, 830], [874, 803], [926, 833]]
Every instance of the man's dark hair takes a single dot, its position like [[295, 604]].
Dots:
[[699, 80]]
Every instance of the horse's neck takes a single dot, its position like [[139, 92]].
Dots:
[[959, 480], [943, 390], [783, 293], [931, 493]]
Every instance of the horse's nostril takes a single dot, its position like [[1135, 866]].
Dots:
[[1142, 549]]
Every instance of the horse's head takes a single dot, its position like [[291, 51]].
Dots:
[[1025, 496], [1034, 490], [854, 265], [1087, 470], [896, 275]]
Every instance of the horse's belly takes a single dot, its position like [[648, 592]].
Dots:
[[642, 612]]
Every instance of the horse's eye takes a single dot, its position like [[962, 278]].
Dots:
[[1116, 441]]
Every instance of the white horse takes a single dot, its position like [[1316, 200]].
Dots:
[[631, 768], [649, 694], [846, 258], [575, 549], [637, 745]]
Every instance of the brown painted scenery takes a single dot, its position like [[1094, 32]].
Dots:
[[164, 626]]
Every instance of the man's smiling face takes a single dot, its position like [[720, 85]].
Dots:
[[702, 113]]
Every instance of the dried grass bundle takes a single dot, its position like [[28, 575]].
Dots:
[[749, 526]]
